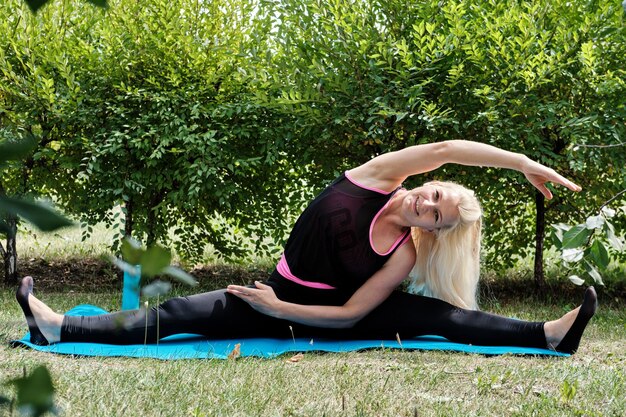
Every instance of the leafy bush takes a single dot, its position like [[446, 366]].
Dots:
[[220, 121]]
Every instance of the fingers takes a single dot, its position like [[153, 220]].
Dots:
[[239, 291], [242, 291], [539, 182], [543, 174], [572, 186], [559, 179], [545, 191]]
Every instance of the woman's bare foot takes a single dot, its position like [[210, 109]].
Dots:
[[557, 329], [43, 323], [564, 334]]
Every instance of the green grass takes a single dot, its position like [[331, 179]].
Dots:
[[372, 383]]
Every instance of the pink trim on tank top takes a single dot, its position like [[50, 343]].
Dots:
[[396, 244], [285, 272], [376, 190], [406, 239]]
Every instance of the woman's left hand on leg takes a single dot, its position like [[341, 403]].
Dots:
[[262, 298]]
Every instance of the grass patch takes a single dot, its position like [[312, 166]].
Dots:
[[372, 383]]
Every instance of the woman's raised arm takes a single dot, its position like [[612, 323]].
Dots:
[[389, 170]]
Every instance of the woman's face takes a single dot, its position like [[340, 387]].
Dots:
[[431, 207]]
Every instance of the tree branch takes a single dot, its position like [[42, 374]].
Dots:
[[611, 199], [600, 146]]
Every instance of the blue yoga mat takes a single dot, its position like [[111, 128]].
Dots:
[[189, 346]]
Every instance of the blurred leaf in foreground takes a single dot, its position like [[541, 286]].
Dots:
[[43, 217], [35, 393], [155, 288], [12, 151], [153, 261]]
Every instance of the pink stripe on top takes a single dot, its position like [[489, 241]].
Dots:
[[401, 240], [376, 190], [285, 272]]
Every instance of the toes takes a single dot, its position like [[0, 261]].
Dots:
[[27, 284]]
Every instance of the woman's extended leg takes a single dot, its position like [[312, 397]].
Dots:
[[410, 315], [214, 314]]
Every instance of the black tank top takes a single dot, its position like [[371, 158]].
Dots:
[[330, 243]]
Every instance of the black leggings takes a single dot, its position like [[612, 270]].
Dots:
[[219, 315]]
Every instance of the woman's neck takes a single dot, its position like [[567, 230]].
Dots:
[[392, 216]]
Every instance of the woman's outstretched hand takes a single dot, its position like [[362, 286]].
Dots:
[[262, 298], [539, 175]]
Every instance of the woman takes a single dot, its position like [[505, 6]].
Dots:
[[347, 253]]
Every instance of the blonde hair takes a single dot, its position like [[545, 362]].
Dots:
[[448, 260]]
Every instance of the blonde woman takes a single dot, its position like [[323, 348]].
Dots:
[[347, 253]]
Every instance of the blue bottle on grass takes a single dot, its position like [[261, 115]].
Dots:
[[130, 291]]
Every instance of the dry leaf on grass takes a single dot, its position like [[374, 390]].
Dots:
[[236, 352], [296, 358]]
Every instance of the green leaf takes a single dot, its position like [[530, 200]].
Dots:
[[559, 230], [599, 254], [576, 236], [576, 280], [154, 260], [572, 255], [35, 392], [593, 273], [36, 4], [608, 212], [125, 266], [180, 275], [155, 288], [45, 218], [614, 241], [131, 251], [568, 390], [11, 151], [594, 222]]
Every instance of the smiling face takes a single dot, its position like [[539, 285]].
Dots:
[[431, 207]]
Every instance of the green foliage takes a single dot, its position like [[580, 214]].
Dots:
[[589, 246], [568, 390], [40, 215], [154, 109], [218, 121], [542, 78], [35, 393], [151, 262]]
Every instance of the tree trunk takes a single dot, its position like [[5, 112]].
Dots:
[[128, 220], [9, 254], [151, 221], [540, 230]]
